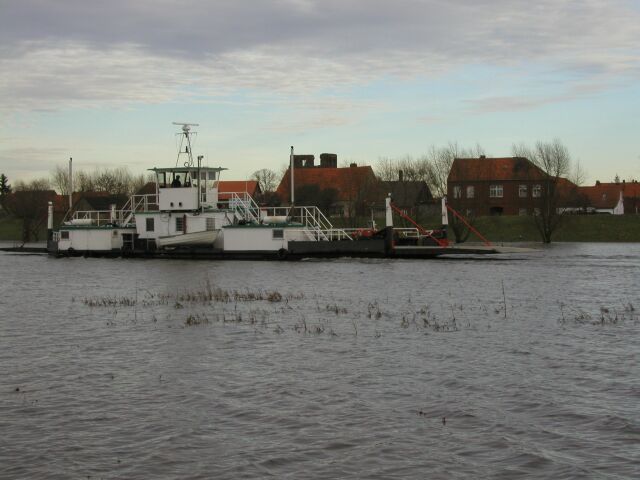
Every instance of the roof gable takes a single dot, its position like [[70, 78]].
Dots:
[[226, 187], [347, 181], [407, 192], [488, 169]]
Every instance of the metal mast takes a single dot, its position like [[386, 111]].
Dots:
[[185, 137]]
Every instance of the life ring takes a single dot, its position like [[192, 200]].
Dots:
[[283, 253]]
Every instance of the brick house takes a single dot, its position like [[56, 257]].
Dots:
[[345, 191], [497, 186]]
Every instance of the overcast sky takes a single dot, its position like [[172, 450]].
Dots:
[[102, 81]]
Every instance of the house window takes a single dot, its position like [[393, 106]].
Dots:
[[179, 224], [522, 191], [471, 191], [64, 234], [211, 224], [150, 225], [536, 211], [457, 191], [278, 233], [536, 191], [522, 211], [495, 191]]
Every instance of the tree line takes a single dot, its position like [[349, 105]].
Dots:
[[432, 168]]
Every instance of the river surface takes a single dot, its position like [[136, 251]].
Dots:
[[522, 366]]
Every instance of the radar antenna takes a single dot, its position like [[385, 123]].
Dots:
[[186, 135]]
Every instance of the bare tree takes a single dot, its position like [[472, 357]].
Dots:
[[117, 181], [388, 169], [440, 161], [60, 179], [578, 175], [554, 163], [139, 181], [267, 179], [432, 167]]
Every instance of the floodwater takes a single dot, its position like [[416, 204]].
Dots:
[[520, 366]]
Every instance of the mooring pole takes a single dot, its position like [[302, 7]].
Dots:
[[200, 180], [445, 215], [291, 175], [388, 211], [50, 221], [70, 183]]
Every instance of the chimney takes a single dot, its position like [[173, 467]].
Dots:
[[328, 160], [400, 175], [353, 165], [303, 161]]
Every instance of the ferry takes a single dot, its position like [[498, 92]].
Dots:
[[186, 218]]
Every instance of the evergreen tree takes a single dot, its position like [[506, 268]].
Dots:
[[5, 189]]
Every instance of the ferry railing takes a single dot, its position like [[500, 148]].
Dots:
[[407, 232], [243, 204], [138, 203], [311, 217], [144, 203], [94, 217], [332, 234]]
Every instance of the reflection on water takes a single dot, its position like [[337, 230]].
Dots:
[[524, 365]]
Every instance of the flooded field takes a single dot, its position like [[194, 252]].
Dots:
[[452, 368]]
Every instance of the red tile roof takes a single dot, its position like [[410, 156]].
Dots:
[[225, 187], [607, 195], [507, 168], [348, 181]]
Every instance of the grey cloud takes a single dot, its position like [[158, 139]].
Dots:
[[84, 53], [200, 27]]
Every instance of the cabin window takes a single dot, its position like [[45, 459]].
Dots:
[[471, 191], [64, 234], [150, 225], [179, 224], [536, 191], [522, 191], [495, 191], [115, 233], [278, 233], [211, 224], [457, 191]]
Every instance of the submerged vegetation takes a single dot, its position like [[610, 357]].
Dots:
[[279, 312]]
